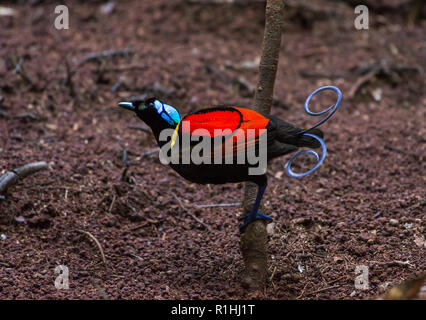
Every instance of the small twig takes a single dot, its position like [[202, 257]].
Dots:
[[68, 78], [124, 173], [180, 202], [99, 56], [131, 207], [91, 236], [370, 71], [394, 262], [124, 157], [214, 205], [362, 81], [146, 194], [149, 152], [11, 177], [112, 203], [136, 256], [245, 88], [19, 69], [323, 289], [27, 115], [273, 273], [189, 213], [401, 263], [378, 214], [136, 215], [116, 86], [303, 291]]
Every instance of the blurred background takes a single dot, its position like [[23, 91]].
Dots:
[[58, 94]]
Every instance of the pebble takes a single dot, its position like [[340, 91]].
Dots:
[[270, 228], [393, 222], [20, 219]]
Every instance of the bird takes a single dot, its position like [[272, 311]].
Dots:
[[222, 126]]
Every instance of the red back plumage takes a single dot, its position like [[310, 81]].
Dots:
[[237, 122], [224, 118]]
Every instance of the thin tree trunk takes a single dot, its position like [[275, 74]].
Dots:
[[254, 239]]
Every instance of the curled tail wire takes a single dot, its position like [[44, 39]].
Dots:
[[319, 160]]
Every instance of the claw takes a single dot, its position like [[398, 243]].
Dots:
[[250, 217]]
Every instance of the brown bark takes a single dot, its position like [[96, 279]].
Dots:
[[254, 239], [11, 177]]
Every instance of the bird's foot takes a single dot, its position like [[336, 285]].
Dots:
[[250, 217]]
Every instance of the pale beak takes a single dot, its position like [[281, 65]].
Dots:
[[127, 105]]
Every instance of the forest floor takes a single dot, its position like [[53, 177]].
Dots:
[[364, 206]]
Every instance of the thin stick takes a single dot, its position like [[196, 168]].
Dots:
[[273, 273], [369, 72], [68, 78], [323, 289], [91, 236], [112, 203], [27, 115], [193, 216], [149, 152], [246, 89], [303, 291], [361, 82], [215, 205], [98, 56], [137, 257], [19, 69], [10, 178]]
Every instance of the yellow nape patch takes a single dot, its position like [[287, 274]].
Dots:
[[175, 134]]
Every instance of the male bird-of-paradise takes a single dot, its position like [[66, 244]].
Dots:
[[226, 125]]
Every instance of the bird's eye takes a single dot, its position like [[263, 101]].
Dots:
[[151, 105]]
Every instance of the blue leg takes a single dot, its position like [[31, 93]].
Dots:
[[254, 213]]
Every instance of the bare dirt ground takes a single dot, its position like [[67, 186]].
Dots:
[[364, 206]]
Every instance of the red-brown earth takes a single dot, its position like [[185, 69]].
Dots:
[[364, 206]]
